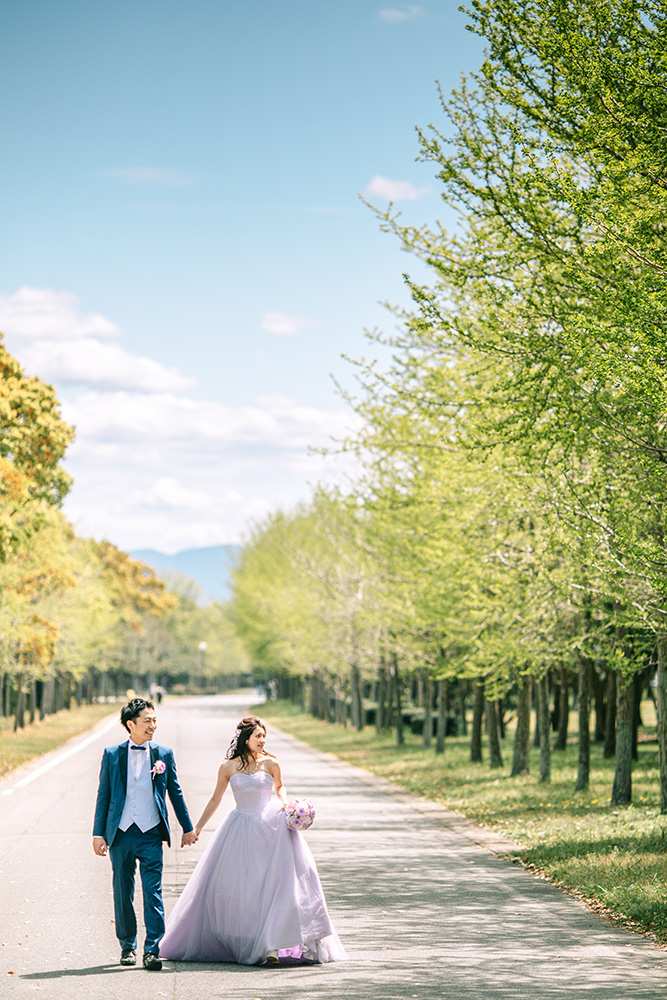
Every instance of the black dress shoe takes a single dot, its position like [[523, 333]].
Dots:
[[152, 962], [128, 956]]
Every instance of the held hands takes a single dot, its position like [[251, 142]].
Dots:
[[100, 846], [188, 839]]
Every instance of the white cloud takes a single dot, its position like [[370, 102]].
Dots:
[[138, 426], [392, 15], [150, 175], [286, 324], [51, 337], [166, 493], [383, 187], [46, 314], [153, 466], [109, 366], [169, 473]]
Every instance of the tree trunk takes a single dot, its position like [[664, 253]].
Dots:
[[391, 699], [584, 698], [520, 758], [477, 719], [380, 723], [33, 699], [599, 690], [313, 695], [495, 754], [545, 750], [357, 703], [427, 732], [662, 720], [536, 707], [563, 711], [400, 737], [610, 717], [555, 692], [8, 696], [441, 732], [67, 694], [19, 717], [638, 687], [621, 794], [46, 695], [463, 693]]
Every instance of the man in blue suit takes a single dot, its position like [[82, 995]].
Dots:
[[131, 822]]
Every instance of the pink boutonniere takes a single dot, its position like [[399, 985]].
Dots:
[[159, 767]]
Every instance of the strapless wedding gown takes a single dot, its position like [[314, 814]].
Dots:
[[254, 890]]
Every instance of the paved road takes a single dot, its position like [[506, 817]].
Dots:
[[424, 906]]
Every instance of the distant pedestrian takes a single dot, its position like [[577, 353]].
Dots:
[[131, 822]]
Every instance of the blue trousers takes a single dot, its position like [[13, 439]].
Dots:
[[130, 846]]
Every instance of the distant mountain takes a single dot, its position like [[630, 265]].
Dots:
[[210, 568]]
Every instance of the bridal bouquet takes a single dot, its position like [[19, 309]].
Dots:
[[299, 814]]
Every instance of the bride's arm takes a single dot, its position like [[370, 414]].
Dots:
[[273, 767], [215, 799]]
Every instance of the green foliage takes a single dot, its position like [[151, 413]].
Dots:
[[33, 436], [300, 591], [33, 439]]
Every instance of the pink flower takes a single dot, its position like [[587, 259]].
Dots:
[[159, 767]]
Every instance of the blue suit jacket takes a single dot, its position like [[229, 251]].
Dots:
[[113, 786]]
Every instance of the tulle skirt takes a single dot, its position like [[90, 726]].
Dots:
[[255, 890]]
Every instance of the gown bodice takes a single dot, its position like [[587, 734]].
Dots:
[[252, 792]]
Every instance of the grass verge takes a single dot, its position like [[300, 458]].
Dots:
[[40, 737], [613, 858]]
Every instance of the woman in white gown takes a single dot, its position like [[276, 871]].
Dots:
[[255, 895]]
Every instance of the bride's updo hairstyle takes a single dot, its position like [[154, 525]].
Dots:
[[238, 748]]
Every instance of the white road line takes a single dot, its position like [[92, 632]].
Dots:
[[59, 758]]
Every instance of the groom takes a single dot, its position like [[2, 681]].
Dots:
[[131, 822]]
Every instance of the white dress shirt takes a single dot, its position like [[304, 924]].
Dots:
[[140, 807]]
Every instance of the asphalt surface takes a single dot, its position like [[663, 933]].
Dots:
[[425, 903]]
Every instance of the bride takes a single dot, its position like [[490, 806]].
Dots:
[[255, 895]]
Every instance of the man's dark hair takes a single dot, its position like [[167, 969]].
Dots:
[[133, 709]]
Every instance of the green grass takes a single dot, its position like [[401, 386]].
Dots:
[[40, 737], [614, 858]]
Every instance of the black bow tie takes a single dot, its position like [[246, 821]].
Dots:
[[144, 747]]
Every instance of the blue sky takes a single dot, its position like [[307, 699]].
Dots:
[[185, 255]]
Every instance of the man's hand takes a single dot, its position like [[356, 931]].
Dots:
[[100, 846], [188, 839]]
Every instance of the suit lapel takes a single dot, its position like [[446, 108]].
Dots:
[[122, 763], [153, 758]]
